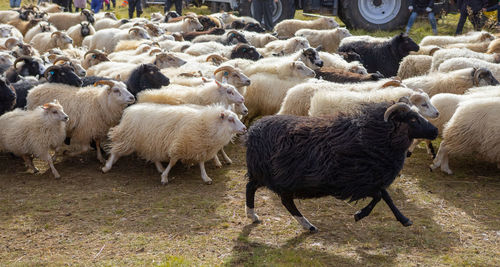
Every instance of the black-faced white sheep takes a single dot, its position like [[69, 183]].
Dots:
[[349, 157], [80, 31], [383, 56], [185, 133], [34, 132]]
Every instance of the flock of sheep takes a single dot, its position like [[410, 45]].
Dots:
[[179, 88]]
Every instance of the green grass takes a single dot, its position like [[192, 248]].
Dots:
[[126, 218]]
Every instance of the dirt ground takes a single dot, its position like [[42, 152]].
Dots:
[[125, 217]]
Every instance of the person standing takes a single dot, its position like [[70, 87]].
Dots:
[[471, 9], [96, 5], [134, 5], [80, 5], [419, 7], [264, 8], [168, 5], [15, 3], [108, 7]]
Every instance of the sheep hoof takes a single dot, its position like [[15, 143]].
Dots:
[[229, 162], [408, 154], [208, 182], [57, 177], [104, 170], [35, 170], [407, 223], [313, 229], [164, 183], [219, 165], [357, 216]]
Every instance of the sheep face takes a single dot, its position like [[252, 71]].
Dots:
[[86, 15], [483, 77], [237, 24], [29, 67], [151, 76], [240, 109], [85, 30], [164, 60], [230, 120], [110, 15], [330, 22], [207, 23], [246, 52], [92, 58], [343, 33], [23, 50], [54, 111], [230, 93], [410, 121], [237, 78], [138, 33], [234, 37], [193, 24], [62, 74], [405, 44], [7, 96], [300, 43], [310, 57], [45, 26], [359, 70], [422, 102], [118, 93], [299, 69], [61, 39], [254, 27]]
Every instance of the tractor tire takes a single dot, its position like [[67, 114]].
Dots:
[[283, 9], [373, 15]]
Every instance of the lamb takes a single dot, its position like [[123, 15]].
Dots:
[[382, 56], [447, 40], [343, 76], [34, 132], [63, 21], [287, 28], [190, 134], [355, 156], [444, 54], [338, 62], [414, 65], [107, 39], [298, 98], [188, 24], [45, 41], [7, 96], [206, 94], [43, 26], [471, 130], [80, 31], [267, 91], [92, 110], [328, 39], [107, 23], [456, 82], [333, 103], [285, 47]]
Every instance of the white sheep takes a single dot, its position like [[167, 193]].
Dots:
[[287, 28], [414, 65], [107, 39], [34, 132], [45, 41], [456, 82], [481, 47], [63, 21], [80, 31], [337, 61], [42, 26], [444, 54], [171, 133], [473, 129], [206, 94], [285, 47], [442, 41], [298, 99], [335, 102], [188, 24], [328, 39], [258, 40], [92, 110], [107, 23]]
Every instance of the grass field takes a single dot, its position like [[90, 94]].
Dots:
[[126, 218]]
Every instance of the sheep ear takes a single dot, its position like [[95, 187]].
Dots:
[[319, 48], [204, 79], [45, 106], [55, 102]]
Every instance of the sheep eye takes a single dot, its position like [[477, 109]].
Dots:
[[230, 92], [231, 119], [151, 72], [115, 90], [55, 112], [413, 120]]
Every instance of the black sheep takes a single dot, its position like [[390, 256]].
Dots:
[[207, 23], [382, 56], [245, 51], [31, 67], [7, 96], [344, 157], [146, 76]]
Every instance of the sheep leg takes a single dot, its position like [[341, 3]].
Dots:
[[441, 159], [29, 162], [99, 153], [368, 209], [445, 161], [250, 200], [76, 153], [399, 216], [412, 147], [287, 201], [204, 175], [48, 158], [217, 161], [159, 167], [164, 175], [226, 158], [430, 149], [111, 160]]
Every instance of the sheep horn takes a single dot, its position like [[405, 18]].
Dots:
[[216, 58], [233, 32], [22, 58], [155, 43], [224, 68], [133, 29], [477, 73], [433, 50], [46, 73], [11, 42], [56, 33], [94, 51], [391, 83], [153, 51], [396, 107], [63, 59], [105, 82]]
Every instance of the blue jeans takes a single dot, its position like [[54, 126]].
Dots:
[[96, 5], [413, 17], [15, 3]]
